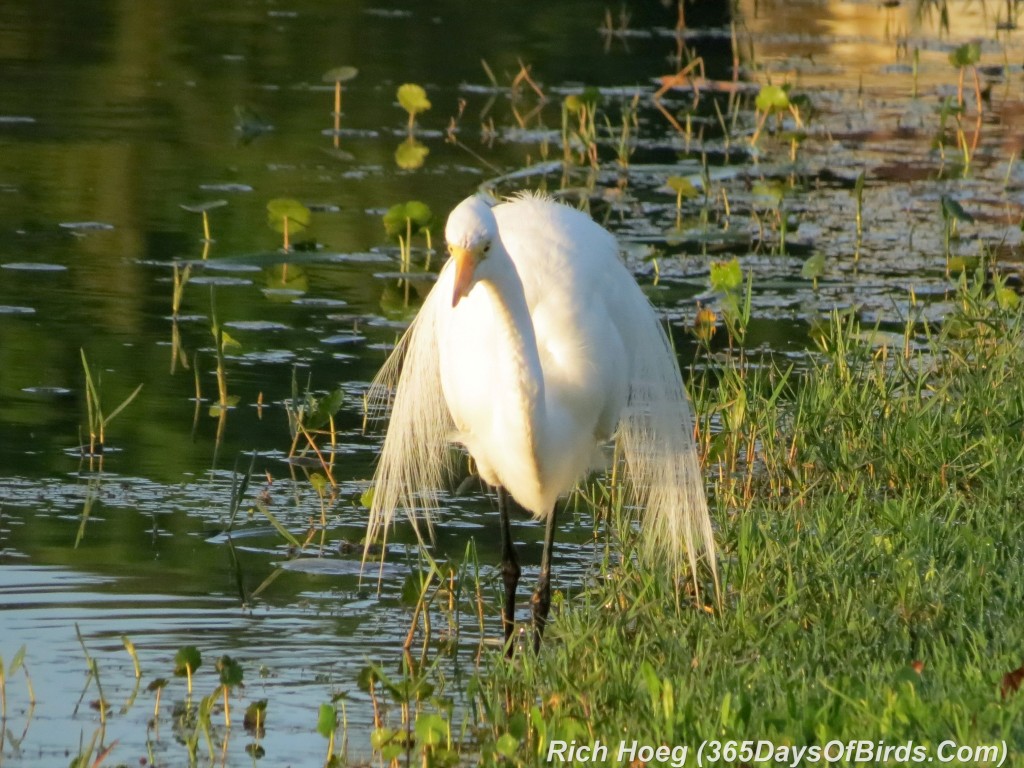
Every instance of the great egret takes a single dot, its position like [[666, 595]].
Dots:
[[534, 347]]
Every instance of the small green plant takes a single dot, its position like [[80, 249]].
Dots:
[[230, 673], [952, 214], [581, 108], [403, 220], [774, 100], [413, 99], [97, 421], [204, 209], [326, 725], [288, 217], [186, 661], [684, 189], [338, 75], [16, 664]]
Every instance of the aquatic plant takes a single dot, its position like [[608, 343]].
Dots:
[[413, 99]]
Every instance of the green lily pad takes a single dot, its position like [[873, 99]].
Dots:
[[413, 98]]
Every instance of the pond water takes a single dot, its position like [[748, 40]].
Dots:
[[113, 117]]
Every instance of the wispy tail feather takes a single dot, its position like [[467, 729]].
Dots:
[[415, 459], [657, 443]]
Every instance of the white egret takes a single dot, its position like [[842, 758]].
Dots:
[[534, 348]]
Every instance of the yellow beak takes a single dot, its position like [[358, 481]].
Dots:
[[465, 264]]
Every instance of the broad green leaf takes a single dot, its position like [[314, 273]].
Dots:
[[230, 671], [282, 208], [340, 74], [411, 154], [772, 98], [682, 186], [589, 99], [207, 206], [327, 721], [187, 658], [506, 745], [431, 729], [413, 211], [726, 276], [413, 98], [814, 267], [966, 55], [952, 209]]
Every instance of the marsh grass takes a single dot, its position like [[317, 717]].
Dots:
[[870, 535]]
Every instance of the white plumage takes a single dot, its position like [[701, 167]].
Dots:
[[534, 348]]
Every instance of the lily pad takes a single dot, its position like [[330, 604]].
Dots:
[[340, 74]]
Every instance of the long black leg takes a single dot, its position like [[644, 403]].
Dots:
[[542, 595], [509, 570]]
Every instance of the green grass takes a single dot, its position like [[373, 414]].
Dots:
[[872, 555]]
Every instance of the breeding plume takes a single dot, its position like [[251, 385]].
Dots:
[[534, 348]]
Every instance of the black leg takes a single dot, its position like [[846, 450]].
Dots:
[[509, 570], [542, 595]]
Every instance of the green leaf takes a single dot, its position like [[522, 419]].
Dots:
[[952, 209], [411, 154], [431, 729], [506, 745], [381, 737], [772, 98], [366, 497], [319, 482], [1006, 298], [726, 276], [282, 208], [340, 74], [327, 720], [682, 186], [413, 98], [202, 207], [324, 409], [230, 671], [588, 99], [414, 212], [966, 55], [814, 267], [187, 658], [255, 714]]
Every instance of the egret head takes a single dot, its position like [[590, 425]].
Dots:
[[470, 233]]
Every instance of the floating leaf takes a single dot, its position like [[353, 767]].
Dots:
[[413, 98], [772, 98], [340, 74], [952, 209], [682, 186], [726, 276], [814, 267], [203, 207], [966, 55], [411, 154], [282, 208]]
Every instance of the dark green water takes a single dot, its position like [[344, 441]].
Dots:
[[114, 115]]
